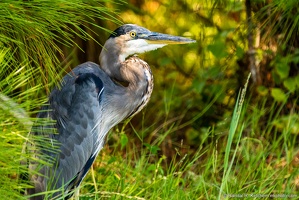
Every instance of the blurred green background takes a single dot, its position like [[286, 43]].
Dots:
[[187, 121]]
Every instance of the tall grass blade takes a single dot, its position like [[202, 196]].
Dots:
[[232, 131]]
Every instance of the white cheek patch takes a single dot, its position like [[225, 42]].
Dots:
[[140, 46]]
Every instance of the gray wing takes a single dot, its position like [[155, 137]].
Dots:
[[77, 109]]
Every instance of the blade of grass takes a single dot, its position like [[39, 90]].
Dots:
[[232, 131]]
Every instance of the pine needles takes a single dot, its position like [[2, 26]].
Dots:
[[31, 34], [33, 30]]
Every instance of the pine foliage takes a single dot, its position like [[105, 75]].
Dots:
[[30, 57]]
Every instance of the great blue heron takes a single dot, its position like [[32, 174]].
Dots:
[[89, 102]]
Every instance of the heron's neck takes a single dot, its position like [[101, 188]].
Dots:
[[139, 76], [111, 60], [133, 71]]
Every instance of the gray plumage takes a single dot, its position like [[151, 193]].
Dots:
[[87, 104]]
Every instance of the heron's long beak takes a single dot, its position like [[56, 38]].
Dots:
[[160, 38]]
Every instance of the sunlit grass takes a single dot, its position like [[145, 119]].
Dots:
[[245, 160]]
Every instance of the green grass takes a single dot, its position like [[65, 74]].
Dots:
[[243, 161]]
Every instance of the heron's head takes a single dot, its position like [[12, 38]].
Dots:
[[131, 39]]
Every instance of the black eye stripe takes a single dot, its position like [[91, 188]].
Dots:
[[126, 29]]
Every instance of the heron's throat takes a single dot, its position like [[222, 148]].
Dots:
[[111, 61], [135, 73], [132, 71]]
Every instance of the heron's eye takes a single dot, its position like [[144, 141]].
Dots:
[[133, 34]]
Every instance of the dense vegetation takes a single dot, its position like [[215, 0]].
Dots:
[[201, 136]]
